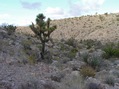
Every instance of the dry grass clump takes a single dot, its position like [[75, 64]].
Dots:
[[88, 71]]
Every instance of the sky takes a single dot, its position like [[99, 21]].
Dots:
[[23, 12]]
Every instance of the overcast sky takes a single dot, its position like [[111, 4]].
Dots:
[[23, 12]]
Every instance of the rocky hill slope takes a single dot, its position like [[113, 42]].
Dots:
[[103, 27], [68, 64]]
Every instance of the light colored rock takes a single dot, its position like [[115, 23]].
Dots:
[[75, 73]]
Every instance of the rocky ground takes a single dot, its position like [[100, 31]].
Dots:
[[62, 68], [69, 64]]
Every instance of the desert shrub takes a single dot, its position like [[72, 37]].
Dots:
[[110, 80], [26, 43], [106, 14], [116, 53], [102, 18], [118, 19], [32, 59], [39, 47], [111, 50], [26, 46], [85, 57], [117, 15], [3, 45], [118, 45], [63, 47], [10, 29], [116, 73], [87, 71], [94, 61], [89, 43], [73, 52], [71, 42], [91, 60], [30, 85], [72, 82]]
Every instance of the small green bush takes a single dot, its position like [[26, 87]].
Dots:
[[106, 14], [71, 42], [116, 73], [26, 43], [85, 57], [64, 47], [110, 80], [89, 43], [118, 45], [111, 50], [10, 29], [73, 52], [118, 19], [88, 71], [116, 54], [102, 18], [32, 59], [94, 61]]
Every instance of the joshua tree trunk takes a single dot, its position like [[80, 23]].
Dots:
[[43, 50]]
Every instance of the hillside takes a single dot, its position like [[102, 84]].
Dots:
[[103, 27], [67, 64]]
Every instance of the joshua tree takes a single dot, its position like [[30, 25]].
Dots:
[[43, 30]]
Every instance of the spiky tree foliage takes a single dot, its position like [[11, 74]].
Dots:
[[43, 30]]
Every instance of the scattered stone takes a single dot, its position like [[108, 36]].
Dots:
[[57, 76]]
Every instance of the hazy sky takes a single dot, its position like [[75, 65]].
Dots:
[[23, 12]]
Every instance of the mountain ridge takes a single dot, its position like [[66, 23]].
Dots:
[[104, 28]]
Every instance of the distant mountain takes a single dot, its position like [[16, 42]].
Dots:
[[103, 27]]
